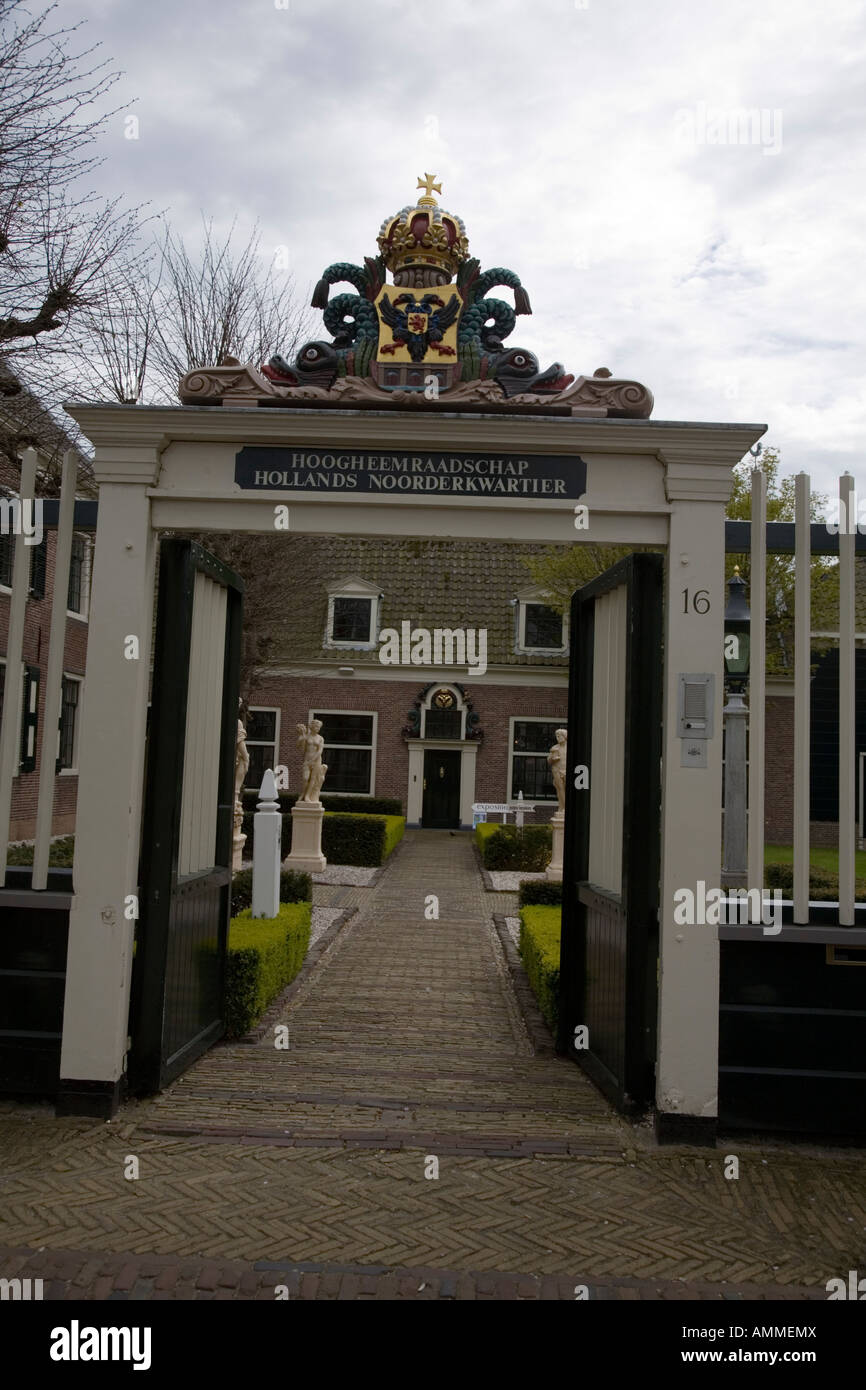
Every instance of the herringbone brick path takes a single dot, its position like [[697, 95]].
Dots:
[[406, 1046]]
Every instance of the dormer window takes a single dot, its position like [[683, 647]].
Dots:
[[353, 615], [541, 629], [352, 620]]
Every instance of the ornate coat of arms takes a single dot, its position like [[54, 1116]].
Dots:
[[435, 330]]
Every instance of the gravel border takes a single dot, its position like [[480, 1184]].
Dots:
[[509, 881], [348, 875]]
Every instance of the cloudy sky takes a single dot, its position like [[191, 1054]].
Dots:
[[680, 186]]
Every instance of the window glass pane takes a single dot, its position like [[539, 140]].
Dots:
[[531, 775], [37, 569], [348, 770], [347, 728], [262, 725], [7, 551], [76, 575], [261, 758], [351, 620], [68, 717], [532, 737], [543, 626], [442, 723]]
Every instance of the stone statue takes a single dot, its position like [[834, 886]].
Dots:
[[242, 763], [312, 769], [242, 766], [558, 759]]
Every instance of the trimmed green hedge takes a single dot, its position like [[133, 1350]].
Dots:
[[294, 888], [483, 830], [823, 884], [60, 853], [362, 840], [541, 892], [539, 951], [529, 849], [346, 839], [395, 828], [264, 955]]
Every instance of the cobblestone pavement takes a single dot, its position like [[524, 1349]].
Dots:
[[314, 1168]]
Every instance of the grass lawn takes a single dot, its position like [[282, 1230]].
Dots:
[[820, 857]]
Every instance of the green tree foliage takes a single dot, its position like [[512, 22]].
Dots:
[[780, 568], [559, 570]]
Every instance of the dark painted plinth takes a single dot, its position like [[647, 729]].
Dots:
[[100, 1099], [685, 1129]]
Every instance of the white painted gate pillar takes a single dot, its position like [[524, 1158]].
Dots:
[[110, 785], [698, 487]]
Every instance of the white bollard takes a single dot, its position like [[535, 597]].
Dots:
[[267, 825]]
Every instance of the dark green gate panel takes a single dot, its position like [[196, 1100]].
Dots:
[[181, 939], [34, 927], [792, 1039], [609, 944]]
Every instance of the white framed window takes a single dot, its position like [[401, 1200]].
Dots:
[[530, 739], [353, 615], [70, 720], [263, 742], [350, 750], [541, 629], [78, 593]]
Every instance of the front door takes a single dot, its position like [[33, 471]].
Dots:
[[441, 805]]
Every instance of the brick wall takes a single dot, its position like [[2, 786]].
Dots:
[[392, 701], [779, 780], [37, 628], [779, 771]]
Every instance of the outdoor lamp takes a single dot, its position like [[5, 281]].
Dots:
[[737, 624]]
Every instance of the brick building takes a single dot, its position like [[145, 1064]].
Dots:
[[439, 673], [32, 739]]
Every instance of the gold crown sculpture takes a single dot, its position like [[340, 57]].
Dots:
[[423, 234]]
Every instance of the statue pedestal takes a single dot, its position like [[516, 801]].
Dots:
[[306, 853], [554, 868]]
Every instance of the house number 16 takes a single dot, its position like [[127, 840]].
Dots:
[[699, 601]]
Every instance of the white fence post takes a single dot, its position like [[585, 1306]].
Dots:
[[847, 697], [802, 683], [267, 828]]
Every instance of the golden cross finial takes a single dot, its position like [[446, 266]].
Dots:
[[429, 184]]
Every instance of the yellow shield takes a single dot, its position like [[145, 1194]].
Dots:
[[426, 317]]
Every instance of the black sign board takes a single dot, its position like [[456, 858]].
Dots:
[[417, 472]]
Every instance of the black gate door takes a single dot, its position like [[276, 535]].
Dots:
[[611, 858], [441, 805], [185, 875]]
